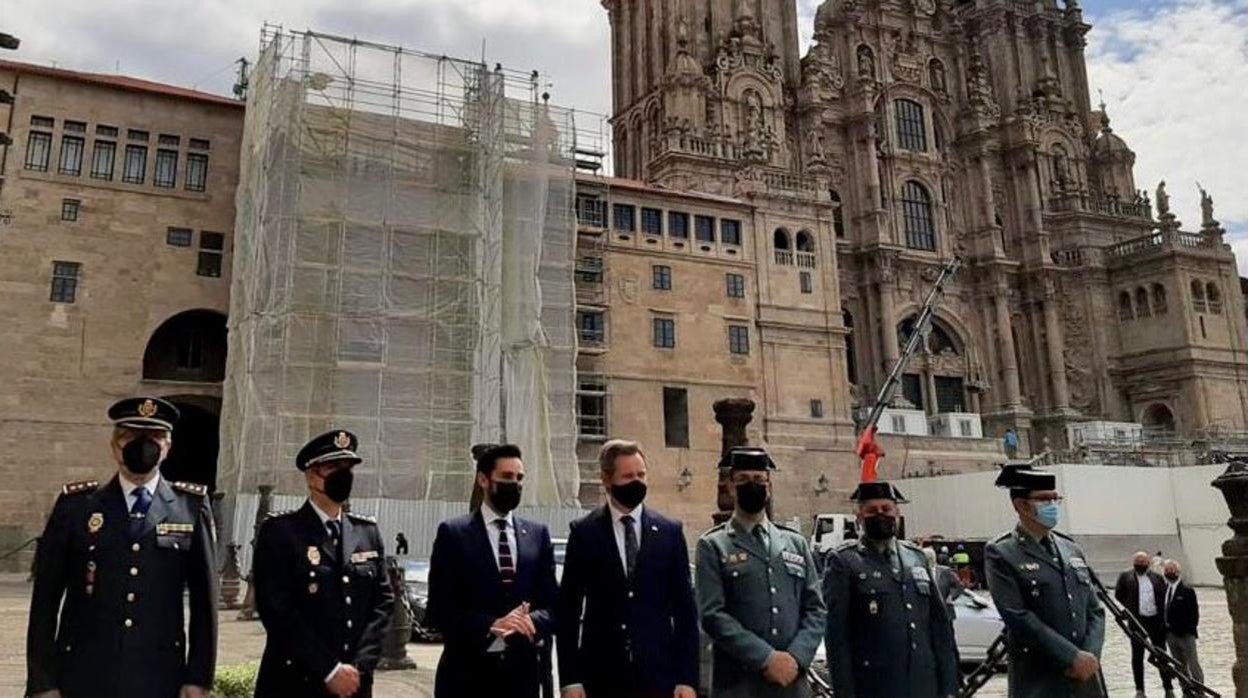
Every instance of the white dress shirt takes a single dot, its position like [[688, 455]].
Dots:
[[128, 489], [489, 516], [1170, 589], [617, 527], [1148, 599]]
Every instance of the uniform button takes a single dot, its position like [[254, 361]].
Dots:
[[909, 606], [130, 597], [734, 573], [913, 626], [1074, 633], [866, 662], [349, 624], [345, 647], [346, 579], [774, 610], [348, 600], [914, 645], [135, 547], [287, 662], [623, 626], [311, 573], [773, 590], [775, 632], [630, 594], [1071, 597], [134, 571], [129, 623]]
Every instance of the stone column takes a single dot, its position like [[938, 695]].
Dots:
[[1233, 565], [1005, 346], [932, 406], [733, 415], [885, 276], [1054, 342]]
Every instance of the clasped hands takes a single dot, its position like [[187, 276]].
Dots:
[[517, 622]]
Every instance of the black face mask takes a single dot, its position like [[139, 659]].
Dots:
[[630, 494], [752, 497], [505, 496], [141, 455], [880, 526], [338, 485], [1141, 569], [1172, 577]]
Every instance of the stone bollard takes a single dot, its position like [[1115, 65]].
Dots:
[[231, 578], [394, 645], [1233, 565], [733, 414], [263, 507]]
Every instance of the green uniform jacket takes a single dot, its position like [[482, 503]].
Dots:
[[1050, 611], [754, 600], [888, 632]]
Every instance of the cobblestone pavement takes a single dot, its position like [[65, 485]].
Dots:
[[244, 641]]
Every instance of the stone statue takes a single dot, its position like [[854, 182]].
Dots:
[[1163, 199], [815, 143], [866, 62], [1206, 208]]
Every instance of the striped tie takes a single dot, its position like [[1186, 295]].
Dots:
[[506, 564]]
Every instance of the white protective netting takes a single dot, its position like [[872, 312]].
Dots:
[[402, 269]]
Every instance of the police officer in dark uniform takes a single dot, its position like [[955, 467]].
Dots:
[[321, 584], [888, 633], [106, 612], [758, 592], [1042, 586]]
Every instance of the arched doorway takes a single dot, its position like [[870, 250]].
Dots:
[[936, 381], [1158, 418], [196, 440], [188, 347]]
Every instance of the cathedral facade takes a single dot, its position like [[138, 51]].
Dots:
[[912, 131]]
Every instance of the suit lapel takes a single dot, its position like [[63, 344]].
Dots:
[[319, 534], [110, 503], [649, 531], [1032, 547], [747, 541], [480, 540], [606, 525], [162, 506]]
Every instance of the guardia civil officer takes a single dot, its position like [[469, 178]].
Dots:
[[1042, 586], [888, 633], [758, 592], [321, 584], [106, 612]]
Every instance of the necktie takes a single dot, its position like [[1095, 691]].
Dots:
[[630, 546], [760, 532], [335, 536], [1049, 548], [1169, 598], [506, 563], [138, 512]]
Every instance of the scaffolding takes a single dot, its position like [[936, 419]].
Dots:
[[404, 260]]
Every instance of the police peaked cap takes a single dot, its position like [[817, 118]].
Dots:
[[332, 445], [143, 413]]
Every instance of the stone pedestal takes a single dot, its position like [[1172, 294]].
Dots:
[[733, 415], [1233, 565], [231, 579]]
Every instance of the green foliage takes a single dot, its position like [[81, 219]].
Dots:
[[236, 681]]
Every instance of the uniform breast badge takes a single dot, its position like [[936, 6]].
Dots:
[[314, 555], [873, 608], [95, 523]]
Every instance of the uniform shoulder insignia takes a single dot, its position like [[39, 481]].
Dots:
[[80, 487], [190, 487], [1059, 534], [1004, 536], [790, 529], [279, 514], [911, 545], [846, 545], [714, 529], [362, 517]]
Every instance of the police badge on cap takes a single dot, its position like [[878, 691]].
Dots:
[[338, 444], [143, 413]]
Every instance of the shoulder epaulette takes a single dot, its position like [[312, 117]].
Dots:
[[790, 529], [276, 514], [713, 529], [1059, 534], [362, 517], [190, 487], [80, 487], [909, 544], [1004, 536], [845, 545]]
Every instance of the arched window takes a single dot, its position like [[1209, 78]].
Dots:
[[804, 243], [866, 62], [911, 127], [919, 224], [1159, 299], [621, 152], [1158, 418], [838, 214], [188, 347], [936, 74], [653, 122], [1141, 303], [1125, 312], [851, 360], [937, 386], [784, 253], [1198, 297], [1214, 298]]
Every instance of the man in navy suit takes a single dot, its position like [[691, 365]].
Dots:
[[628, 624], [492, 590]]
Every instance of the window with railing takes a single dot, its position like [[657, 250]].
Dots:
[[807, 282], [65, 281], [591, 412], [102, 159], [38, 151], [196, 172], [71, 155], [591, 211], [917, 218], [1198, 297], [166, 168], [134, 169], [591, 327], [1214, 297], [211, 254]]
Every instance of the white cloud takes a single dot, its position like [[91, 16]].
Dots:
[[1175, 76]]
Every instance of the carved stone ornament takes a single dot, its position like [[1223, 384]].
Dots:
[[1075, 353], [927, 7], [821, 71]]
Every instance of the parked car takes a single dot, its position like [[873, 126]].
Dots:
[[561, 553], [975, 627], [416, 581]]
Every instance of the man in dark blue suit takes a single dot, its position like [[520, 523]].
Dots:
[[628, 624], [492, 590]]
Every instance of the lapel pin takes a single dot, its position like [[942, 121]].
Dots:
[[95, 523], [873, 608], [654, 528], [312, 588]]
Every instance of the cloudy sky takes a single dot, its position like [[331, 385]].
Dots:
[[1174, 72]]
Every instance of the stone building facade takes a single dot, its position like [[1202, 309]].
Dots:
[[117, 205], [909, 132]]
